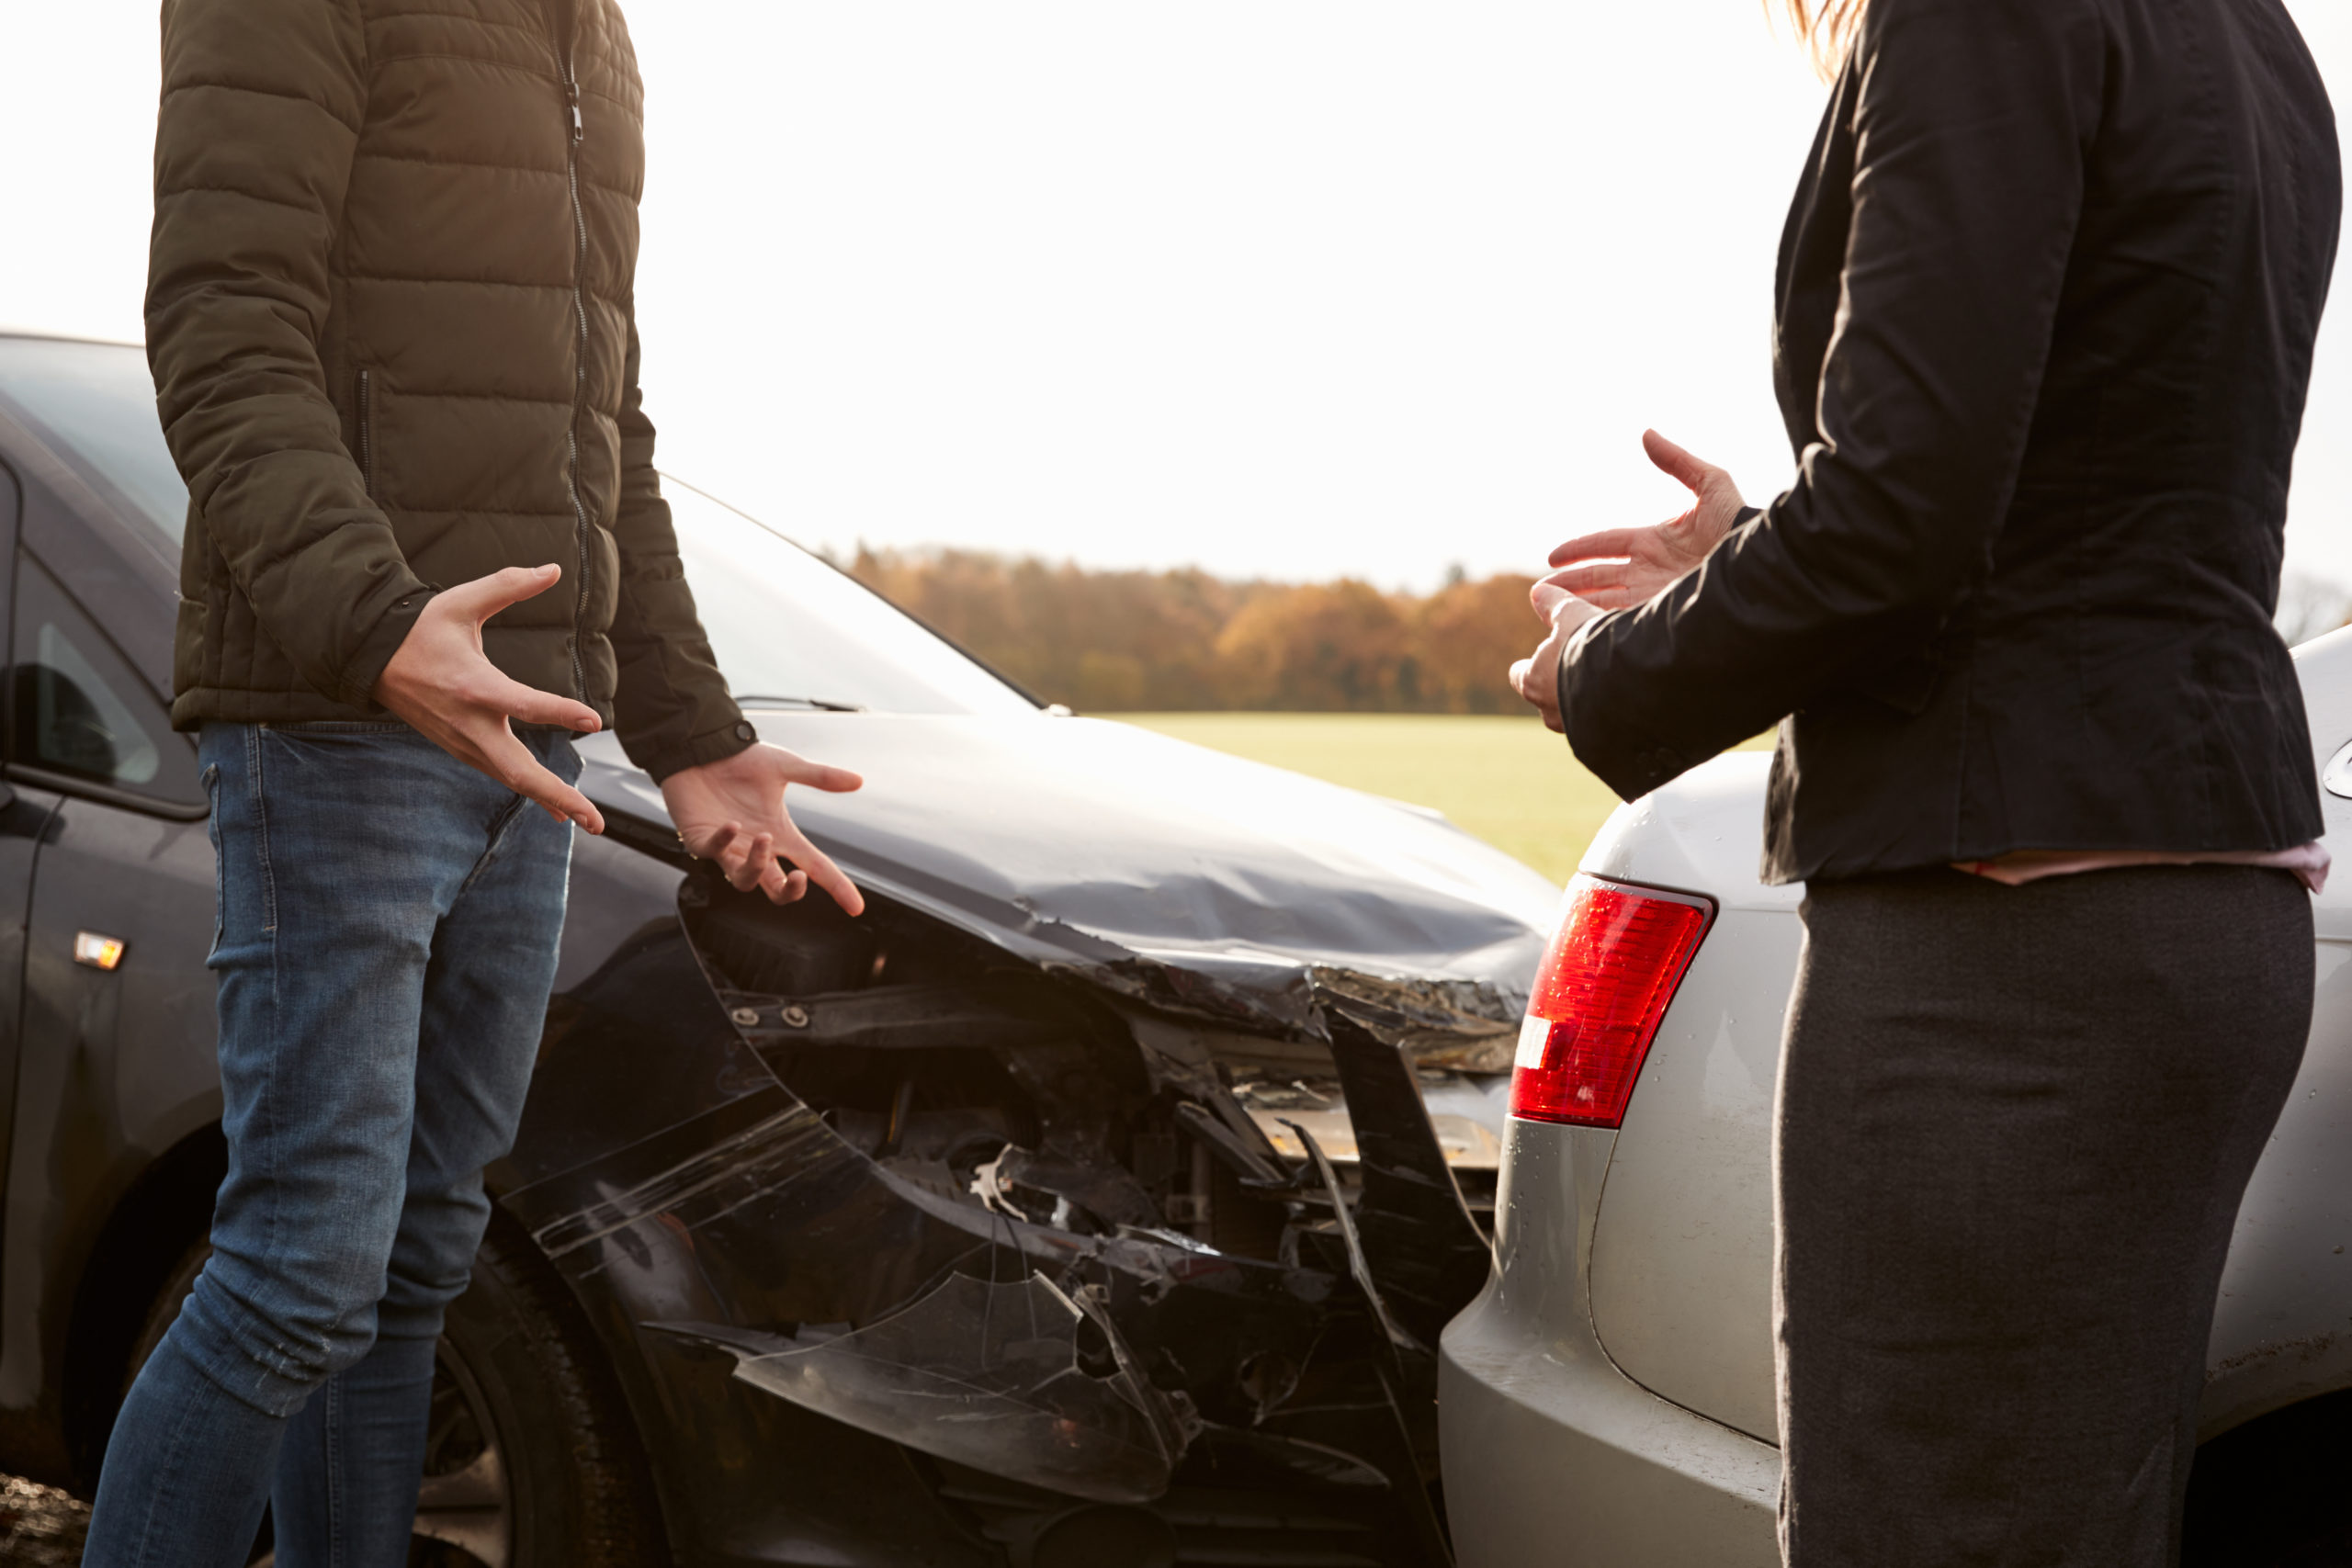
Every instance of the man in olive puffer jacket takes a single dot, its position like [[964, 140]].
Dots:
[[390, 315]]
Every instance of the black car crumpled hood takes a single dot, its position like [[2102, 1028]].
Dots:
[[1165, 871]]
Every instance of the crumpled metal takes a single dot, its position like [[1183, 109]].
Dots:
[[1189, 881]]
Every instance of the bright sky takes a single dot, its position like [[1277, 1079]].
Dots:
[[1293, 288]]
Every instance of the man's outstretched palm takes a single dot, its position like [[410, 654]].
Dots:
[[733, 812], [1619, 567]]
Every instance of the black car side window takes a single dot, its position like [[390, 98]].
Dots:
[[76, 709]]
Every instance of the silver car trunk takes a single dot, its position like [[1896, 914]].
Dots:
[[1680, 1266]]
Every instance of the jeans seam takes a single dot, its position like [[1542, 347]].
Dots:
[[498, 827], [332, 1394], [154, 1504], [261, 838], [256, 736]]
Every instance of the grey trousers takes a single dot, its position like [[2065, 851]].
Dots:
[[2013, 1127]]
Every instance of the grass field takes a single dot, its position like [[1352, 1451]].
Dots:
[[1510, 780]]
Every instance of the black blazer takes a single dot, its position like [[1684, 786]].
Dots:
[[2045, 309]]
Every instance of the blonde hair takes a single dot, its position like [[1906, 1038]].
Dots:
[[1826, 29]]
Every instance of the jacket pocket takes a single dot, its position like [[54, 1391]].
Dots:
[[365, 402]]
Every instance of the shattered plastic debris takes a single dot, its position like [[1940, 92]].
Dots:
[[988, 1375]]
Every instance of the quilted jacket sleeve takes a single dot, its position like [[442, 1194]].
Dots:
[[672, 707], [1972, 122], [262, 104]]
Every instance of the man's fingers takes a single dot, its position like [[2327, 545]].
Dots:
[[485, 596], [1692, 472], [712, 843], [532, 705], [799, 770], [759, 858], [735, 854], [837, 780], [1610, 543], [775, 880], [822, 871], [522, 772]]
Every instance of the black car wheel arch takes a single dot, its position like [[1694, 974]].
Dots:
[[532, 1459]]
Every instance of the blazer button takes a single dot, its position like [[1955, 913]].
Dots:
[[744, 732]]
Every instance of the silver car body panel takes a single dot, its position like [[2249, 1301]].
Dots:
[[1552, 1454], [1667, 1286]]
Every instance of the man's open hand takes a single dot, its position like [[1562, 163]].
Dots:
[[1620, 568], [732, 812], [440, 683]]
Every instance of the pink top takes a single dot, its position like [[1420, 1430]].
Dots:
[[2309, 861]]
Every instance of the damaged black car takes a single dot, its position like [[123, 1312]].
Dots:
[[1096, 1197]]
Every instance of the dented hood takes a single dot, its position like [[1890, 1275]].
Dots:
[[1177, 875]]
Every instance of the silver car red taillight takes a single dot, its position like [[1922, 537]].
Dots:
[[1604, 985]]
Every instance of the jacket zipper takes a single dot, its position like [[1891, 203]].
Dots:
[[367, 445], [576, 132]]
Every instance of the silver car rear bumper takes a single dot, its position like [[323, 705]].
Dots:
[[1552, 1455]]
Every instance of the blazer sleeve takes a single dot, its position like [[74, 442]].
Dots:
[[1972, 122], [262, 106], [672, 707]]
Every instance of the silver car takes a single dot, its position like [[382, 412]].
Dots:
[[1609, 1398]]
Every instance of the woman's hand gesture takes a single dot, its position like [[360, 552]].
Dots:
[[1619, 567], [1537, 677]]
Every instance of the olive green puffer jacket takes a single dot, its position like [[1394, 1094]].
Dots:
[[390, 315]]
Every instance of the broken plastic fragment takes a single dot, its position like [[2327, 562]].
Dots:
[[988, 1375]]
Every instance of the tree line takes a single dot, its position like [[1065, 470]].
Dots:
[[1134, 641]]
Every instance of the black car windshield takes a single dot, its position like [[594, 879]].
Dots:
[[786, 627], [94, 406]]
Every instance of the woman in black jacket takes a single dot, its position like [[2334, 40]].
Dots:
[[2046, 304]]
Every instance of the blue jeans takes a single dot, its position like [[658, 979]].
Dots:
[[388, 927]]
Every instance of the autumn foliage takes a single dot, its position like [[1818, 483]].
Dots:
[[1112, 641]]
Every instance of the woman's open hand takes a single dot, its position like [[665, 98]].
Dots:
[[1619, 567], [1537, 677]]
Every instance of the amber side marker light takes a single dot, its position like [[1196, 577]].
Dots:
[[1605, 983], [97, 951]]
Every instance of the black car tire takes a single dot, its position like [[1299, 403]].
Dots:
[[533, 1460]]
